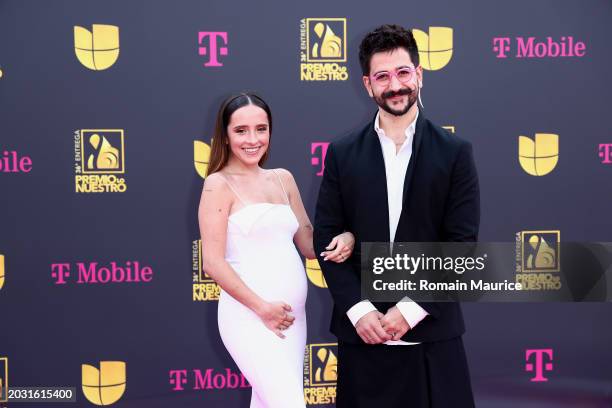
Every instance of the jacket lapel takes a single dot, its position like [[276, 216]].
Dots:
[[416, 144], [377, 185]]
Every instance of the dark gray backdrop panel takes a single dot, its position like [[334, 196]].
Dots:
[[160, 93]]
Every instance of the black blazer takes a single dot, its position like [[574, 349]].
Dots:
[[441, 203]]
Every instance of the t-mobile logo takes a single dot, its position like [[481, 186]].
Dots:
[[539, 367], [605, 153], [318, 151], [214, 49]]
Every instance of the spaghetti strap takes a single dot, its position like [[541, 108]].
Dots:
[[282, 185], [232, 188]]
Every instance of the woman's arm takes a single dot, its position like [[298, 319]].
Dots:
[[341, 246], [303, 236], [213, 212]]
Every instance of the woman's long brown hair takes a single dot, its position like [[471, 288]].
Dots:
[[220, 150]]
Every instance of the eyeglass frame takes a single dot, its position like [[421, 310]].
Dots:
[[394, 74]]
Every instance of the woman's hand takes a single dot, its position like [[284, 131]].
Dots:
[[276, 317], [340, 248]]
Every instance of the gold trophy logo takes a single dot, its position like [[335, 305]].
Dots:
[[323, 364], [326, 39], [540, 251], [331, 44], [103, 151], [329, 370], [107, 155]]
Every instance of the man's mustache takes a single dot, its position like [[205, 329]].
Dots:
[[401, 92]]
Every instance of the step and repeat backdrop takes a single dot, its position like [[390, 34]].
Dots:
[[106, 115]]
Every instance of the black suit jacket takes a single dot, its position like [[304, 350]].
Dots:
[[441, 203]]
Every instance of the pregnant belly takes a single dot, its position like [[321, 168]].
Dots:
[[276, 279]]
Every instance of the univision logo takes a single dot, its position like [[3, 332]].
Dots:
[[97, 49], [201, 157], [314, 273], [540, 155], [106, 385], [435, 47], [1, 271]]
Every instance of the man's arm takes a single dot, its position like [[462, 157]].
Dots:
[[343, 282], [460, 224], [462, 212], [330, 221]]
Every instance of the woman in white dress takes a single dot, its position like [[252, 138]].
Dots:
[[251, 221]]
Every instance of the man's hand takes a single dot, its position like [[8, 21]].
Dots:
[[394, 323], [370, 329]]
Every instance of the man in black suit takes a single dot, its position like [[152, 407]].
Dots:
[[398, 179]]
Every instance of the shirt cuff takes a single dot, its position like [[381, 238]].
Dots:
[[359, 310], [412, 312]]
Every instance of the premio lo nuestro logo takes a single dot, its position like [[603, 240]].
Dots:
[[538, 258], [320, 373], [323, 49], [99, 161], [4, 384], [204, 288]]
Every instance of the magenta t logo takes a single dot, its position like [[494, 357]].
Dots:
[[605, 152], [501, 45], [539, 365], [178, 379], [213, 50], [318, 159], [60, 272]]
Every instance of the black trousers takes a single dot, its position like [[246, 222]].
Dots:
[[426, 375]]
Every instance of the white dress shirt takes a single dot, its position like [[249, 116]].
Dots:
[[396, 164]]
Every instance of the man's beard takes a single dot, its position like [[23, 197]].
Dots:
[[382, 101]]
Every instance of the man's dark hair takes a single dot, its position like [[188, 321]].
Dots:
[[387, 38]]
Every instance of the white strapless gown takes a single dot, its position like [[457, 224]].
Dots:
[[260, 249]]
